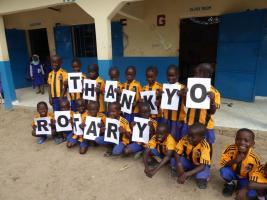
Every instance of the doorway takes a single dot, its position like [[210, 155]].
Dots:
[[39, 43], [198, 44]]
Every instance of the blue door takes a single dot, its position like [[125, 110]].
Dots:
[[19, 57], [117, 39], [237, 56]]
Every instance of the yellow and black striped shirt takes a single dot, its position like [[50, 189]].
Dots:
[[136, 87], [259, 175], [56, 80], [199, 154]]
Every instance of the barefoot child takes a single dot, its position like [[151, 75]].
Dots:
[[42, 110], [133, 85], [238, 162], [192, 156], [92, 111], [160, 148], [78, 139], [144, 112], [151, 77], [57, 80], [124, 129]]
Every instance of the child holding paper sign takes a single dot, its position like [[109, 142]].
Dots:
[[57, 81], [144, 112], [114, 75], [124, 130], [76, 67], [151, 77], [205, 116], [176, 118], [75, 138], [160, 149], [192, 156], [93, 74], [132, 85], [42, 110], [93, 111]]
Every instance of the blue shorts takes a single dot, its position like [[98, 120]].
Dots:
[[73, 105], [56, 103], [129, 117], [188, 165], [135, 147], [83, 144], [229, 175], [117, 148], [177, 129]]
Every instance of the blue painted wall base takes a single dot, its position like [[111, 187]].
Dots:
[[7, 83]]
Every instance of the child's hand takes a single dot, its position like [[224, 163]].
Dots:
[[240, 157], [82, 125], [102, 129], [182, 178], [122, 130], [182, 92], [34, 127], [150, 173], [241, 194], [117, 90], [97, 88], [50, 101], [132, 124], [211, 96]]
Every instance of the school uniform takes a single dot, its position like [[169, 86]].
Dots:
[[75, 96], [176, 118], [120, 87], [136, 87], [258, 176], [158, 88], [67, 134], [56, 81], [192, 156], [204, 117], [139, 146], [37, 74], [74, 139], [242, 171], [118, 148], [161, 149], [50, 115]]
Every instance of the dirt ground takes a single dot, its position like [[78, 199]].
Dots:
[[49, 171]]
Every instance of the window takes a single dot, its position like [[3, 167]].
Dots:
[[84, 40]]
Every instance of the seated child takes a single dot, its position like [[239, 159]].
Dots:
[[125, 132], [192, 156], [92, 111], [74, 139], [64, 105], [160, 148], [144, 112], [258, 182], [42, 110], [238, 162]]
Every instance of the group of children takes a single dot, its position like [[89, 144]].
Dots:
[[183, 138]]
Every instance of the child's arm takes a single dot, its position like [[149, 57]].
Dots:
[[236, 160], [212, 103], [180, 170], [164, 161], [50, 97], [152, 130], [124, 132], [145, 159]]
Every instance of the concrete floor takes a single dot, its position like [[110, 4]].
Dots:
[[232, 114]]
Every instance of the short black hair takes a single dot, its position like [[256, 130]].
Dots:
[[76, 60], [153, 69], [56, 57], [173, 67], [42, 103], [131, 67], [80, 100], [164, 125], [96, 103], [114, 68], [252, 134], [199, 128], [93, 68], [116, 104], [143, 104]]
